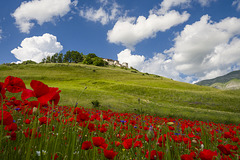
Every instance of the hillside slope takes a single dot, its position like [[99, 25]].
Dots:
[[127, 90], [222, 79]]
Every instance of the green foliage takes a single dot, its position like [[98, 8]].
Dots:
[[95, 104], [89, 59], [60, 58], [29, 62], [119, 88], [98, 61]]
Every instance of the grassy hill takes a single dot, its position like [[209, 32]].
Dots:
[[127, 90]]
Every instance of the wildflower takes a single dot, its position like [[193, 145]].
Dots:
[[11, 127], [207, 154], [109, 154], [225, 149], [98, 141], [138, 144], [127, 144], [86, 145], [27, 121], [42, 92], [186, 157], [14, 84], [7, 118]]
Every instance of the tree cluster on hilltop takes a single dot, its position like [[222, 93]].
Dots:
[[75, 57]]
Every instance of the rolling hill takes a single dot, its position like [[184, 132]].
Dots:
[[228, 81], [127, 90]]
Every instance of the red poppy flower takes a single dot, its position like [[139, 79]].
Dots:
[[138, 144], [109, 154], [86, 145], [117, 143], [225, 149], [27, 121], [227, 135], [2, 91], [207, 154], [14, 84], [81, 117], [127, 144], [98, 141], [42, 92], [11, 127], [7, 118], [13, 135], [186, 157], [44, 120], [156, 155]]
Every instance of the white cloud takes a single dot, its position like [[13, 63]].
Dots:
[[160, 64], [236, 3], [106, 13], [202, 50], [41, 11], [205, 2], [130, 31], [135, 61], [166, 5], [207, 49], [38, 47]]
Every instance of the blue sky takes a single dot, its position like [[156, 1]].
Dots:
[[186, 40]]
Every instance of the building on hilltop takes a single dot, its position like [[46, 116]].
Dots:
[[115, 63]]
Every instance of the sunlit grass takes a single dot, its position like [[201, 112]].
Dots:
[[122, 90]]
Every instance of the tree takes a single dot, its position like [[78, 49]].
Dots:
[[76, 56], [48, 60], [98, 61], [29, 62], [60, 58], [54, 58], [43, 60], [89, 58], [67, 57]]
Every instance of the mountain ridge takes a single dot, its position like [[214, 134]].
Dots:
[[221, 79]]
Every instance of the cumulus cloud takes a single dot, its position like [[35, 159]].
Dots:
[[38, 47], [130, 31], [41, 11], [207, 49], [106, 13], [166, 5], [135, 61], [202, 50], [159, 64]]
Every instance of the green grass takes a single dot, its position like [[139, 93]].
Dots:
[[124, 90]]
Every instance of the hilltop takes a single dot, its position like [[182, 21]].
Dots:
[[128, 90], [228, 81]]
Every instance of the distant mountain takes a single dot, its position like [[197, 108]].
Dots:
[[228, 81]]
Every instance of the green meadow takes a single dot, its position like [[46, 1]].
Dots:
[[127, 90]]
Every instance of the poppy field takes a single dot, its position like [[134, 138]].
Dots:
[[35, 127]]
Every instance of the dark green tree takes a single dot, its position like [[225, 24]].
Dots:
[[48, 59], [60, 58], [67, 57], [44, 60], [54, 58], [98, 61], [76, 56], [89, 58]]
